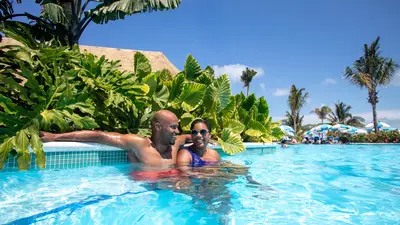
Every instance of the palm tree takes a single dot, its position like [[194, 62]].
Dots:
[[290, 121], [296, 101], [247, 77], [370, 71], [71, 16], [322, 112], [341, 114], [356, 121]]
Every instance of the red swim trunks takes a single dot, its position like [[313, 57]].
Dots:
[[154, 175]]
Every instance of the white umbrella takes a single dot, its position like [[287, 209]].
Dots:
[[287, 130], [340, 127], [380, 125], [321, 128], [361, 131]]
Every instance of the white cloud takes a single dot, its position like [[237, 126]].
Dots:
[[391, 114], [396, 80], [281, 92], [329, 81], [234, 71], [262, 85]]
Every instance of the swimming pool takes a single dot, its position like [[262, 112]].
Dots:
[[315, 184]]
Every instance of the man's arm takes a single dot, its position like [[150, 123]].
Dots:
[[124, 141], [182, 139]]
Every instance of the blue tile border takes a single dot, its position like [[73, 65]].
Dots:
[[74, 159], [68, 155]]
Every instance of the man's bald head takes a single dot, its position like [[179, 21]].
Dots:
[[164, 116], [165, 127]]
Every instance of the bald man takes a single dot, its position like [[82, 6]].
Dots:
[[159, 150]]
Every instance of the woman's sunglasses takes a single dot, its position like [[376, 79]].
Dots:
[[202, 132]]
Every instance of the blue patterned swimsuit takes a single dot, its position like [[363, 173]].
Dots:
[[196, 160]]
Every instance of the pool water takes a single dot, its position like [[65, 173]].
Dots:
[[314, 184]]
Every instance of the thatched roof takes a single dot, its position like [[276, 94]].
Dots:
[[157, 60]]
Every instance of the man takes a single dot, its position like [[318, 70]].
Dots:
[[159, 150]]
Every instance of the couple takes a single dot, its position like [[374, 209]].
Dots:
[[163, 148]]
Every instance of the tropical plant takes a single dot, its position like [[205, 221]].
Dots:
[[341, 114], [38, 90], [296, 100], [370, 71], [247, 77], [322, 112], [44, 86], [70, 18], [381, 137]]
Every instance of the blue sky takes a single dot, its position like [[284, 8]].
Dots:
[[306, 43]]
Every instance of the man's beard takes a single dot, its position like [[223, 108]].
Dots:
[[172, 141]]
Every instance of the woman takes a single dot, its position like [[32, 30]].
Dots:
[[198, 154]]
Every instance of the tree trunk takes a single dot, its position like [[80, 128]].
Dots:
[[248, 88], [294, 123], [373, 99], [374, 117]]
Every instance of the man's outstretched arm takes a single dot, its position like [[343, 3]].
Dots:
[[123, 141]]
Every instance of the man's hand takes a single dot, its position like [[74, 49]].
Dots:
[[47, 136]]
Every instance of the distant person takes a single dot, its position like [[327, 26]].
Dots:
[[284, 143], [159, 150], [198, 154]]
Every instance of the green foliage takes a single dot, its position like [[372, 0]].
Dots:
[[57, 89], [381, 137], [67, 20]]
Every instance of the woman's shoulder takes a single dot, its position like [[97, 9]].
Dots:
[[213, 153]]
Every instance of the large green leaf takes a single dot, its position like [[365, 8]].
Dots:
[[204, 79], [255, 129], [277, 133], [230, 142], [53, 117], [186, 120], [37, 145], [191, 96], [54, 12], [236, 126], [249, 102], [151, 81], [176, 86], [229, 110], [114, 10], [8, 106], [192, 68], [142, 65], [161, 97], [21, 142], [86, 123], [223, 86], [263, 106], [139, 89], [218, 93], [5, 149]]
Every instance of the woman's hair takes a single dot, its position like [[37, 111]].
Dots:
[[196, 121]]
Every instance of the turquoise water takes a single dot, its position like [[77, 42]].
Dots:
[[357, 184]]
